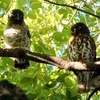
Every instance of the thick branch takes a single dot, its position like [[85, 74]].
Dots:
[[43, 58], [73, 7]]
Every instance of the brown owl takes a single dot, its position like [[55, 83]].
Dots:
[[82, 48], [17, 35]]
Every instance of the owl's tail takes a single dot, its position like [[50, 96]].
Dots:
[[21, 63]]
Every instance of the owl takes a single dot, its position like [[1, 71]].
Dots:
[[82, 48], [17, 35]]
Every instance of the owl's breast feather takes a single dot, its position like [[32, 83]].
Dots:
[[16, 38], [71, 39], [11, 32]]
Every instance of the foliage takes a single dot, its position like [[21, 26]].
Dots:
[[50, 31]]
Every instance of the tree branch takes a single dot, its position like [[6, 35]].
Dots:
[[47, 59], [56, 61], [73, 7]]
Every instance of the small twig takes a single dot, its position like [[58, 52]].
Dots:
[[73, 14], [73, 7]]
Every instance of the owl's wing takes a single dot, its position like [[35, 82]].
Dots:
[[28, 32]]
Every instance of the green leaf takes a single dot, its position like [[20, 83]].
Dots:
[[31, 15], [25, 80], [51, 84], [18, 4], [50, 29], [58, 36], [32, 96], [47, 78]]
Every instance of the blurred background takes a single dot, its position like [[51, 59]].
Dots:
[[49, 27]]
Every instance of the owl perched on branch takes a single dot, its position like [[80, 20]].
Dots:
[[82, 48], [17, 35]]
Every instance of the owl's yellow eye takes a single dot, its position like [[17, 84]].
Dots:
[[79, 27]]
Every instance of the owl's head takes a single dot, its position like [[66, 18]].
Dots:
[[79, 28], [16, 16]]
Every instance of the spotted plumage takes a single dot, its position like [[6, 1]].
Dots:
[[17, 35], [82, 48]]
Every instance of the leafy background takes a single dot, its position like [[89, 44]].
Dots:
[[49, 26]]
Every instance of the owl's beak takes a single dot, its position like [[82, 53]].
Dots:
[[9, 14], [75, 31], [18, 17]]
